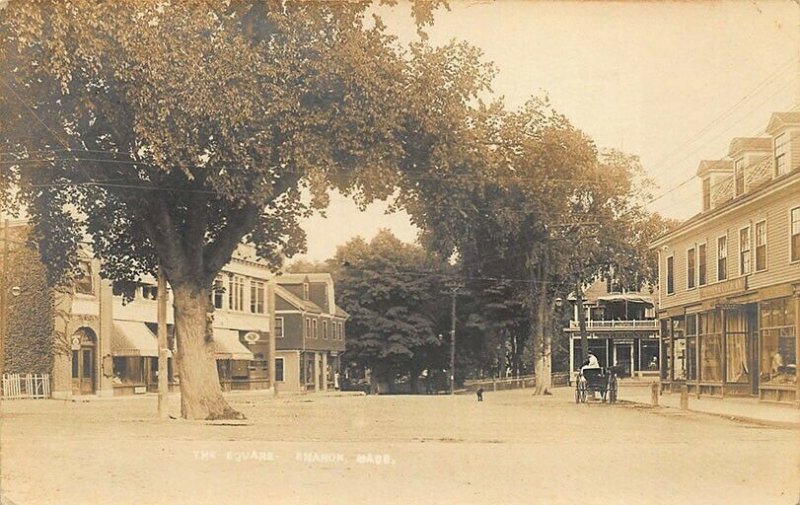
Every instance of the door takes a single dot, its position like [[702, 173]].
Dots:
[[623, 356], [83, 363]]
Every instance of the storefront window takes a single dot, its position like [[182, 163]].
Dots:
[[649, 356], [679, 361], [710, 339], [691, 358], [128, 370], [778, 363], [737, 361]]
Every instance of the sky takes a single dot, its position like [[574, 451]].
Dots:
[[672, 82]]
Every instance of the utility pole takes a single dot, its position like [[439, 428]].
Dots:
[[163, 384], [454, 288], [581, 321], [271, 338], [4, 300]]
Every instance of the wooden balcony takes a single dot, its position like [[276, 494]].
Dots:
[[618, 325]]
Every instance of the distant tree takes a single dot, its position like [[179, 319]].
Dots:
[[170, 132], [527, 202], [393, 292], [307, 266]]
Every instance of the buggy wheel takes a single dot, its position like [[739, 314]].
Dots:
[[580, 393]]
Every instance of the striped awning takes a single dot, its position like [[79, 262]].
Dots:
[[228, 346], [133, 338]]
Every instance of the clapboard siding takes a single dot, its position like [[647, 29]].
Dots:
[[772, 205]]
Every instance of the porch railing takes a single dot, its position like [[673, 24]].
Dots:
[[640, 324]]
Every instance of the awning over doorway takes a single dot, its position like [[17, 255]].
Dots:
[[228, 346], [133, 338]]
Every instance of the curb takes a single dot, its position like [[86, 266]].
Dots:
[[731, 417]]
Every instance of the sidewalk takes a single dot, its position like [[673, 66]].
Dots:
[[744, 409]]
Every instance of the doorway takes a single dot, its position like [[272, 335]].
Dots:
[[623, 357], [83, 362]]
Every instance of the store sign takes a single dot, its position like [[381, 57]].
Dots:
[[251, 337], [729, 306], [732, 286]]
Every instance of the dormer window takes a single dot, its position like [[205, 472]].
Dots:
[[781, 154], [738, 169], [305, 291], [706, 194]]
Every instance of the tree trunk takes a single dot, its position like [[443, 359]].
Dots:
[[542, 340], [544, 364], [201, 394]]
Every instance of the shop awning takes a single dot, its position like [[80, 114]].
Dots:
[[133, 338], [228, 346], [625, 297]]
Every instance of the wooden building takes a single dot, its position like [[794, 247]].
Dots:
[[730, 276]]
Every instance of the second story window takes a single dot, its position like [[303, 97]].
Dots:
[[690, 271], [314, 328], [670, 275], [150, 292], [701, 264], [308, 327], [794, 240], [722, 258], [83, 281], [744, 251], [781, 154], [236, 295], [278, 327], [325, 330], [256, 297], [305, 291], [761, 246], [218, 292], [738, 170]]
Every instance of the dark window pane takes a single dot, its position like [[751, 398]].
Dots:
[[87, 364], [75, 367]]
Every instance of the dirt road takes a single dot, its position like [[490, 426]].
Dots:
[[511, 448]]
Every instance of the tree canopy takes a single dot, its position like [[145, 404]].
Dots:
[[394, 293], [168, 132]]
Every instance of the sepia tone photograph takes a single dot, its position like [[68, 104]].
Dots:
[[399, 251]]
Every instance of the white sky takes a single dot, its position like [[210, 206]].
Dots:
[[670, 82]]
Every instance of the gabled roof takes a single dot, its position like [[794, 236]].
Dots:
[[779, 120], [749, 144], [304, 305], [299, 278], [340, 312], [708, 166]]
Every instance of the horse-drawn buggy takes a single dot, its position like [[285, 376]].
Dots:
[[596, 380]]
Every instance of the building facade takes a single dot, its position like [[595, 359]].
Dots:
[[105, 344], [621, 328], [309, 332], [730, 276]]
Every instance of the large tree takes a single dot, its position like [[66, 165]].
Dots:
[[394, 293], [168, 132], [530, 203]]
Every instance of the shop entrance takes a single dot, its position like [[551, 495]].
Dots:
[[83, 362], [623, 357]]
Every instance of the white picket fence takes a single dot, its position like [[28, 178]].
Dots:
[[17, 386]]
